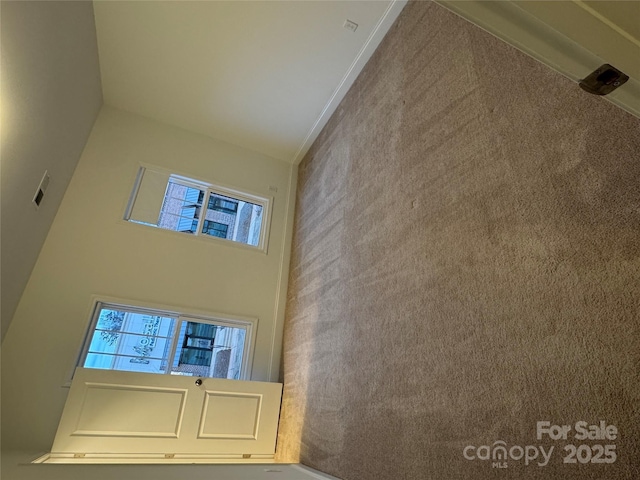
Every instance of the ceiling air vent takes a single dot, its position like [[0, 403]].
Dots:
[[44, 183]]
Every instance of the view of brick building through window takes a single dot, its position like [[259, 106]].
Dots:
[[224, 217], [173, 202]]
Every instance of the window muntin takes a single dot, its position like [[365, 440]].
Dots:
[[181, 204], [136, 339]]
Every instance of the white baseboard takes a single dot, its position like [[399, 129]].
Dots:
[[311, 473]]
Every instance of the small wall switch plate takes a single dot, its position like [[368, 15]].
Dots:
[[349, 25]]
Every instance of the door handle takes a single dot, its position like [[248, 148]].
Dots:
[[199, 382]]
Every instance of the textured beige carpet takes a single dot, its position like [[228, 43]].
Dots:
[[466, 263]]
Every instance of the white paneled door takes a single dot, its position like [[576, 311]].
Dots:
[[126, 413]]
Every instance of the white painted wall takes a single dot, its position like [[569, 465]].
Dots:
[[51, 95], [15, 466], [91, 251]]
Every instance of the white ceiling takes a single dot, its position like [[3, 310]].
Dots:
[[267, 74], [264, 75]]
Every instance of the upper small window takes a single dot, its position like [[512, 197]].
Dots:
[[181, 204]]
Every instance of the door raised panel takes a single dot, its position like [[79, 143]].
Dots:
[[228, 415], [130, 411]]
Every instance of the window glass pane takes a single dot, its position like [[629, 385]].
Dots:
[[135, 341], [181, 207], [215, 229], [208, 350], [124, 363], [233, 219], [147, 324], [94, 360], [98, 343]]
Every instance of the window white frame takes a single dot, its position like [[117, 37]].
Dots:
[[232, 321], [209, 188]]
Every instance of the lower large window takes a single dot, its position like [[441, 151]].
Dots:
[[135, 339]]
